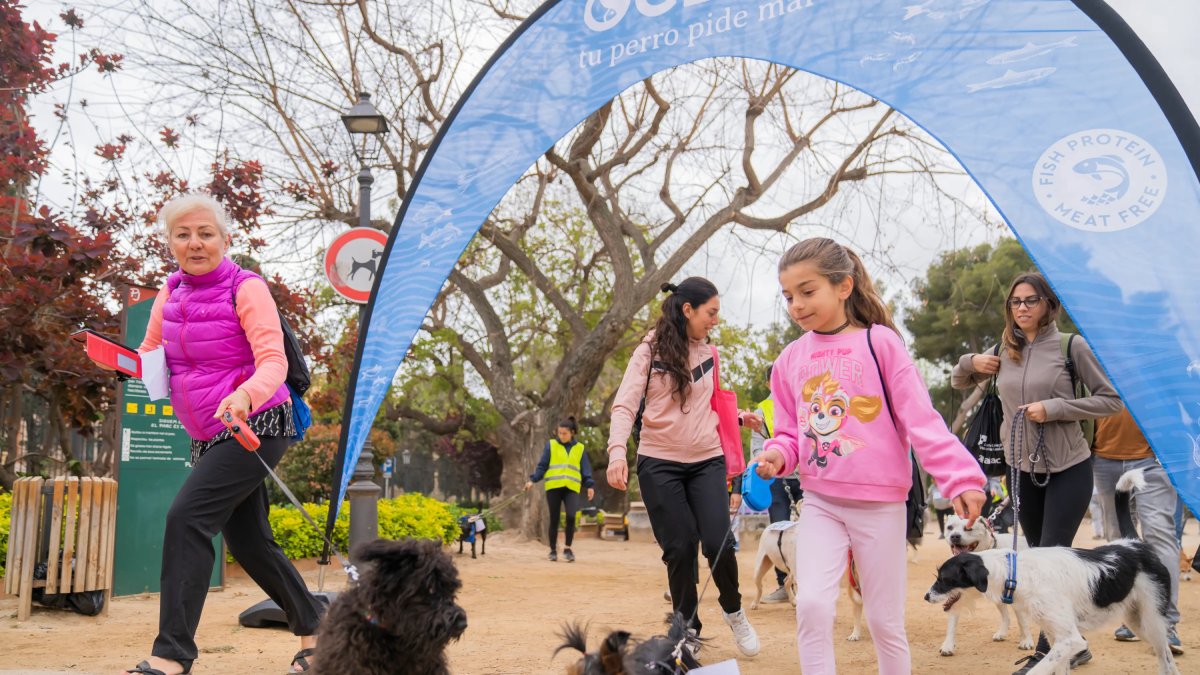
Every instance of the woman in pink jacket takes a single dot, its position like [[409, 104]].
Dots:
[[668, 386], [224, 349], [849, 404]]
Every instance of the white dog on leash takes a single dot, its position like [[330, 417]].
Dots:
[[1068, 590], [977, 538], [776, 548]]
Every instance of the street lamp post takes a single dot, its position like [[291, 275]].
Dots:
[[366, 127]]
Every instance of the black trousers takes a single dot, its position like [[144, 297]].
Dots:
[[556, 498], [781, 508], [1051, 515], [688, 504], [224, 493]]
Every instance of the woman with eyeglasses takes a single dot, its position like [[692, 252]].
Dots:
[[1054, 458]]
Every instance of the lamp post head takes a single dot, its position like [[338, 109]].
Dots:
[[363, 118], [367, 126]]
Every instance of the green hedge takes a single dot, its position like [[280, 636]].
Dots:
[[5, 510], [410, 515]]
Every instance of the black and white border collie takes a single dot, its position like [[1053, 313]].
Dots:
[[1068, 590]]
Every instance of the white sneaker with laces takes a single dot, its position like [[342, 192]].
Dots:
[[743, 632], [776, 596]]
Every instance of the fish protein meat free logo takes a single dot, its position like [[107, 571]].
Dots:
[[1100, 180]]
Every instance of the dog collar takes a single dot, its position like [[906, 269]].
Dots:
[[1010, 581]]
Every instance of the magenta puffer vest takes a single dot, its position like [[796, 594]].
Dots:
[[207, 351]]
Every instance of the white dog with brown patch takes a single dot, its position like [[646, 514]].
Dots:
[[979, 537], [776, 549]]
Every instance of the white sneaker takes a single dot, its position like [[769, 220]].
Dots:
[[743, 632], [776, 596]]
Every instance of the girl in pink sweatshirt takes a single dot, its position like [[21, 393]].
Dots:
[[849, 404]]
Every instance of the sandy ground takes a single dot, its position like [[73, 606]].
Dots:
[[516, 601]]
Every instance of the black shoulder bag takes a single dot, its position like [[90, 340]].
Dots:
[[983, 436], [915, 505], [636, 432]]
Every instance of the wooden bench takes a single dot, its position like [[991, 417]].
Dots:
[[74, 516], [613, 526]]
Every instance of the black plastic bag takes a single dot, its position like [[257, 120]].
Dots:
[[983, 437], [87, 603]]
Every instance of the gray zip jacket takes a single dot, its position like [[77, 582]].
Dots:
[[1042, 376]]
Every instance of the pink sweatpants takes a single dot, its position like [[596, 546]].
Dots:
[[875, 531]]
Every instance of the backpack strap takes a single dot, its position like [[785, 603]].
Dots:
[[1065, 341]]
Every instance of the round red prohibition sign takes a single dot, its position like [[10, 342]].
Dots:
[[353, 260]]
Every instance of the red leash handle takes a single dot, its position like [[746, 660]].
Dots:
[[241, 431]]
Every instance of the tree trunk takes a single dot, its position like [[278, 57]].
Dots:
[[13, 439]]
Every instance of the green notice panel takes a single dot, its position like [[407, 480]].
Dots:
[[155, 458]]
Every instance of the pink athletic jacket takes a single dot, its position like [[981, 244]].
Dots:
[[687, 434], [832, 421]]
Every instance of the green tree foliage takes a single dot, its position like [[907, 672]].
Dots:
[[960, 302], [960, 310]]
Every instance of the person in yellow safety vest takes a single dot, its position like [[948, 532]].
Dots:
[[566, 468]]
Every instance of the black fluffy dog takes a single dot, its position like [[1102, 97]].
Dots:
[[398, 618], [617, 656]]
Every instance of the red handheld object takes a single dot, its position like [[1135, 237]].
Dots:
[[110, 352], [241, 431]]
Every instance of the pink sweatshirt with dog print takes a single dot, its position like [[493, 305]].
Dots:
[[832, 421]]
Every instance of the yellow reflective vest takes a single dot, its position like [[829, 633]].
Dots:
[[767, 406], [564, 466]]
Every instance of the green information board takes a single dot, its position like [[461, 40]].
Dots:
[[155, 458]]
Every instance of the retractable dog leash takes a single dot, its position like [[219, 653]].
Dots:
[[249, 440]]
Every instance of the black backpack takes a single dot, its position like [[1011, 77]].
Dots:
[[298, 375], [299, 378]]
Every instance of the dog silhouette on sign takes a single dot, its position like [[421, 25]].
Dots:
[[369, 265]]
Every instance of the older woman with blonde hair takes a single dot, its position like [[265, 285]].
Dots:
[[224, 349]]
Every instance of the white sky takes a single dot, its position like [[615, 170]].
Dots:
[[745, 269]]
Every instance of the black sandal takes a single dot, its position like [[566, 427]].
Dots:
[[301, 659], [144, 668]]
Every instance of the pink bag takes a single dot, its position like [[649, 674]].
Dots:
[[725, 404]]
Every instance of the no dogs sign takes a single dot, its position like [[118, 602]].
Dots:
[[352, 262]]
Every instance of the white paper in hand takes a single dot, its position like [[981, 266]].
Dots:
[[155, 375]]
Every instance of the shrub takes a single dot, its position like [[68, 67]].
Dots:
[[5, 511], [411, 515], [418, 516]]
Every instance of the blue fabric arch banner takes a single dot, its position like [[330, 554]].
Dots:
[[1055, 108]]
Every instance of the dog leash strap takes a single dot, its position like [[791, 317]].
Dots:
[[1010, 581], [351, 570]]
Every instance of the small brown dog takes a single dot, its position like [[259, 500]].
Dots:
[[1185, 566]]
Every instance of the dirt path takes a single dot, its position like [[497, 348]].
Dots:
[[516, 600]]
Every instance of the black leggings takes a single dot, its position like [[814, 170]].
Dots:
[[555, 499], [224, 493], [1051, 515], [688, 504]]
